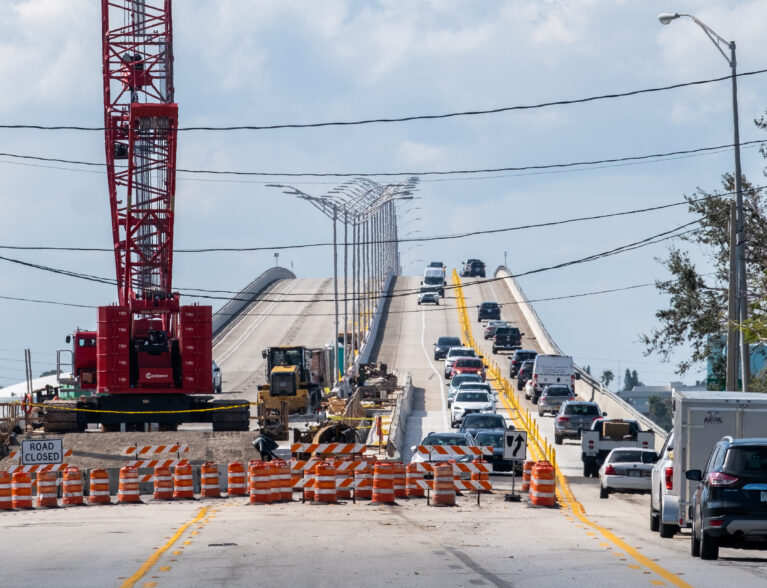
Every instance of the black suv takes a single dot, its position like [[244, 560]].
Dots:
[[729, 508], [524, 373], [488, 310], [473, 268], [443, 345], [507, 338], [520, 355]]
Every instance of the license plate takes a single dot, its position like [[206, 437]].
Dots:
[[634, 473]]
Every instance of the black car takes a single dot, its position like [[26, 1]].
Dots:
[[524, 373], [475, 269], [494, 438], [507, 338], [488, 310], [729, 508], [475, 422], [520, 356], [443, 344]]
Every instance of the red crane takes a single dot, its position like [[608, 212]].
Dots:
[[149, 353]]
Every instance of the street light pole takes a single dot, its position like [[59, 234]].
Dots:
[[741, 306]]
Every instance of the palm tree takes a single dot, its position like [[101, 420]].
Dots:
[[607, 377]]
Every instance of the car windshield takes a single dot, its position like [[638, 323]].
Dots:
[[747, 460], [452, 341], [582, 409], [435, 264], [472, 397], [468, 363], [525, 356], [445, 440], [463, 378], [461, 352], [557, 392], [489, 305], [484, 421], [489, 439], [626, 456], [466, 386]]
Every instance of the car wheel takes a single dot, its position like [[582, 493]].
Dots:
[[540, 412], [218, 390], [694, 543], [603, 492], [667, 531], [654, 520], [709, 546], [495, 349], [557, 439], [586, 470]]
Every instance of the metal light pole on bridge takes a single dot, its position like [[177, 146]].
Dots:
[[738, 308]]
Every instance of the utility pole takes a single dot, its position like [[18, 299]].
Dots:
[[732, 307]]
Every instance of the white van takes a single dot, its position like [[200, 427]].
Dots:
[[434, 278], [549, 370]]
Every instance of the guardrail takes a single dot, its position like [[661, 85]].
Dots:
[[372, 333], [232, 309], [588, 387]]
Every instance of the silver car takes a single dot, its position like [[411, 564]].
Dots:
[[573, 417], [626, 469]]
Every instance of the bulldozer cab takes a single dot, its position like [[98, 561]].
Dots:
[[284, 381], [285, 357]]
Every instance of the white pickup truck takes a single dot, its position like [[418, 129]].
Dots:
[[607, 434]]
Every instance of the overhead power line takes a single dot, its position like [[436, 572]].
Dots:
[[410, 118], [473, 171]]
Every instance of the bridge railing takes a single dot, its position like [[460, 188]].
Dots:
[[588, 387]]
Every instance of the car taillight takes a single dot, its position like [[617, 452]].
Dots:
[[563, 419], [668, 474], [609, 470], [722, 479]]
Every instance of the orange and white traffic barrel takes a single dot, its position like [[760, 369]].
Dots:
[[542, 485], [325, 483], [481, 475], [400, 479], [281, 472], [47, 490], [72, 487], [99, 487], [163, 483], [363, 478], [444, 485], [383, 483], [183, 482], [260, 483], [344, 477], [6, 493], [21, 490], [413, 482], [209, 485], [274, 482], [527, 472], [237, 484], [127, 491]]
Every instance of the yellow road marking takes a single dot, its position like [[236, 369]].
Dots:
[[150, 584], [148, 564], [566, 495], [178, 552]]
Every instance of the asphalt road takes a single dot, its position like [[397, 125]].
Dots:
[[229, 542]]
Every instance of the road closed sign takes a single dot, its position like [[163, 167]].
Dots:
[[42, 452], [515, 445]]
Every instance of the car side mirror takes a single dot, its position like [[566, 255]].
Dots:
[[68, 339], [413, 448], [263, 353], [694, 475], [577, 376], [604, 414]]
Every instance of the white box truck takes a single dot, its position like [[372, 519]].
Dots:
[[700, 420], [549, 370]]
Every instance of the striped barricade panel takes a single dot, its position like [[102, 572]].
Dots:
[[149, 450], [157, 463], [31, 469], [362, 483], [328, 448], [454, 450], [304, 483]]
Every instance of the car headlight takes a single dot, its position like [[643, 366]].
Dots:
[[487, 407]]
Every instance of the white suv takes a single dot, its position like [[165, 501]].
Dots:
[[664, 502]]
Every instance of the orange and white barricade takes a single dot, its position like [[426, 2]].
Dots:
[[163, 483], [400, 479], [527, 473], [183, 482], [363, 478], [260, 483], [72, 487], [328, 449], [542, 485], [480, 476], [281, 472], [21, 490], [325, 483], [444, 485], [383, 484], [415, 484], [47, 490], [209, 485], [6, 492], [128, 491], [443, 452], [344, 477], [237, 480], [99, 487]]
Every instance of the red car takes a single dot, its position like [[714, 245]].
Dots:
[[468, 365]]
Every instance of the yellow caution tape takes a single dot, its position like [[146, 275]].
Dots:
[[95, 410]]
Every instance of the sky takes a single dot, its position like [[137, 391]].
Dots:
[[269, 62]]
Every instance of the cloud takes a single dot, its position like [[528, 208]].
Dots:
[[412, 153]]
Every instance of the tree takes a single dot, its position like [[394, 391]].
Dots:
[[635, 379], [660, 411], [48, 373], [607, 377], [587, 369], [628, 383]]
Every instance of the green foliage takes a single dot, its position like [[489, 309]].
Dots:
[[631, 379], [607, 377], [48, 373], [660, 411]]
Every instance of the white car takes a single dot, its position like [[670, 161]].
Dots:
[[626, 469], [480, 386], [428, 297], [468, 402], [664, 502], [453, 354]]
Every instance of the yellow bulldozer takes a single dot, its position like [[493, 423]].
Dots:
[[290, 388]]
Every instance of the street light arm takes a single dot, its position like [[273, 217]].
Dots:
[[717, 40]]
